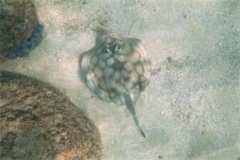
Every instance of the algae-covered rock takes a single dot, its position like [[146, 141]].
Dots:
[[38, 122], [20, 30]]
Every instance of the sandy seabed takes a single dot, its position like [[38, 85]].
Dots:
[[191, 108]]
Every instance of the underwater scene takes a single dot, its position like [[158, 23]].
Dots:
[[119, 80]]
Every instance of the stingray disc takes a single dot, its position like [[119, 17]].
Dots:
[[114, 65]]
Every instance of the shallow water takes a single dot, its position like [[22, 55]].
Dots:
[[190, 110]]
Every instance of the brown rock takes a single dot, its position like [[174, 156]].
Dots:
[[17, 21], [38, 122]]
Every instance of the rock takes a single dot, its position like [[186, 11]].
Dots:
[[39, 122], [19, 24]]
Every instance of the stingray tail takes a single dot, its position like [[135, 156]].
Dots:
[[130, 107]]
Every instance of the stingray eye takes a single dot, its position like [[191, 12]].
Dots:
[[106, 53], [118, 48]]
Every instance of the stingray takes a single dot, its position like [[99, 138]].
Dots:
[[116, 69]]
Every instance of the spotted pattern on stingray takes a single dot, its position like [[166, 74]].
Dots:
[[116, 69]]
